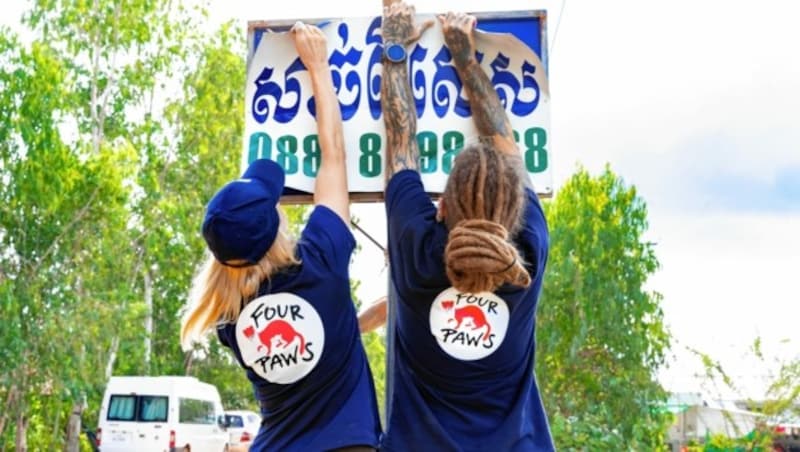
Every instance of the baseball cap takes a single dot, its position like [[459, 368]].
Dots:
[[241, 220]]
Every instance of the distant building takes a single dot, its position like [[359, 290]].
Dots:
[[697, 417]]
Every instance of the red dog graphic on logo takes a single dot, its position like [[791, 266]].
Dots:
[[280, 329], [474, 313]]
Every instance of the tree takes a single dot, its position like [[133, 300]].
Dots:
[[600, 334], [71, 107], [58, 218], [210, 121]]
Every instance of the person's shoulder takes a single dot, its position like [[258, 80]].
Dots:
[[326, 216], [327, 238], [403, 185], [534, 211], [406, 200], [325, 221]]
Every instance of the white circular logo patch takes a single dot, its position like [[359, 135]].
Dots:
[[280, 337], [469, 326]]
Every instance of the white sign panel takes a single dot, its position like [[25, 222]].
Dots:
[[279, 105]]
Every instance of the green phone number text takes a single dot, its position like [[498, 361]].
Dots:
[[435, 153]]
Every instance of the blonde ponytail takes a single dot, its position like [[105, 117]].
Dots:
[[219, 292]]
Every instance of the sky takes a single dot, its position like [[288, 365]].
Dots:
[[695, 102]]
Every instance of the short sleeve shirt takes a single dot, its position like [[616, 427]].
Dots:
[[462, 364], [300, 346]]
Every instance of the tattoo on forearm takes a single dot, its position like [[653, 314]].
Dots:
[[459, 46], [400, 119], [397, 29], [487, 111]]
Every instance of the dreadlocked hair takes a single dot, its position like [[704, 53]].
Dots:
[[484, 200]]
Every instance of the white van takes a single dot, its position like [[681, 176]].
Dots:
[[161, 414]]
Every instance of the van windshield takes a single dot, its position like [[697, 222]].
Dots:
[[142, 408]]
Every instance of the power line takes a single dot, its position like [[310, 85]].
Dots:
[[558, 26], [375, 242]]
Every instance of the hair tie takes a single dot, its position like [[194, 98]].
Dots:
[[237, 265], [513, 262]]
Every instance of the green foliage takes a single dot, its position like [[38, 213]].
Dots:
[[181, 176], [72, 150], [600, 334], [62, 216], [375, 347], [755, 441]]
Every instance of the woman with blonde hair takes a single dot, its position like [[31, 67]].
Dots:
[[467, 276], [284, 307]]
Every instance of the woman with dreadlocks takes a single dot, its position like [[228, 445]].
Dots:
[[467, 276], [284, 307]]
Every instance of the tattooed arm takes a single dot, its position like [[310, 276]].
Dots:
[[487, 111], [397, 103]]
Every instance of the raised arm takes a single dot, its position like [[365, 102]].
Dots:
[[330, 187], [487, 111], [397, 103], [373, 317]]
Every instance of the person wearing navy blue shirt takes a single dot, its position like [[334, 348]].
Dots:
[[467, 276], [284, 307]]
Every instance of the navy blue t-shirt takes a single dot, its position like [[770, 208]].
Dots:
[[461, 364], [300, 345]]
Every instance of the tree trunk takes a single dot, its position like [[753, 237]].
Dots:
[[187, 362], [22, 432], [74, 428], [112, 356], [12, 394], [148, 320], [56, 426]]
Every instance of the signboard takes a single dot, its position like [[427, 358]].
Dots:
[[279, 105]]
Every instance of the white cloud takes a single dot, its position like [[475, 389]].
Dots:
[[728, 279]]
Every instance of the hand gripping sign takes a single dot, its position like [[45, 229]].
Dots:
[[280, 109]]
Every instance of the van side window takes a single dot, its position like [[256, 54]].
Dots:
[[122, 408], [153, 409], [193, 411], [130, 407]]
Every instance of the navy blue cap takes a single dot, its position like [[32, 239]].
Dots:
[[241, 220]]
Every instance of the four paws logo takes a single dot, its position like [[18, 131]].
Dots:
[[468, 326], [280, 337]]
